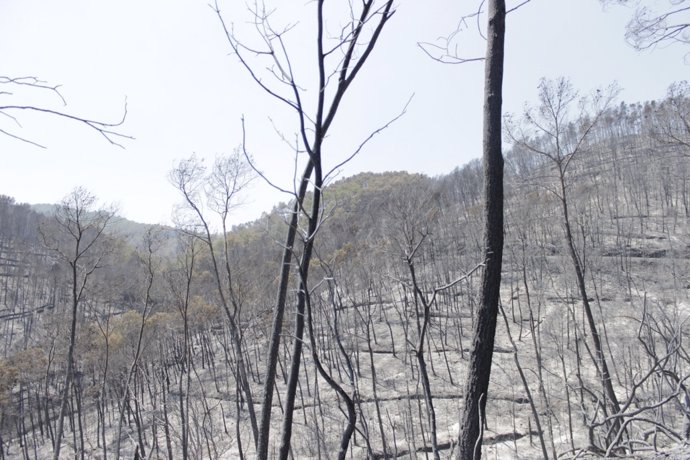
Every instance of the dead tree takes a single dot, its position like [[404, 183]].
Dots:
[[78, 244], [481, 356], [218, 190], [336, 67], [549, 132], [651, 27]]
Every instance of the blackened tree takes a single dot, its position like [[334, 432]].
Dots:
[[479, 371]]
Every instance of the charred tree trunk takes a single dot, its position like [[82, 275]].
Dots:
[[278, 314], [481, 356], [582, 289], [69, 373]]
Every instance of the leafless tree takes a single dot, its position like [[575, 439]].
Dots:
[[147, 258], [219, 191], [338, 62], [479, 371], [563, 141], [672, 118], [525, 385], [651, 26], [79, 244]]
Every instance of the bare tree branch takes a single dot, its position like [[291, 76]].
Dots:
[[655, 26], [447, 48], [106, 129]]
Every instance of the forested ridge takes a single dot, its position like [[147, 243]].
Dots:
[[172, 324]]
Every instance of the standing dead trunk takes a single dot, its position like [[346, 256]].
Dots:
[[525, 385], [358, 46], [69, 373], [278, 314], [579, 273], [299, 327], [481, 356], [83, 229]]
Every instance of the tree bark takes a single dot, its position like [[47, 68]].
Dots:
[[479, 370], [69, 374], [582, 288], [325, 113], [278, 314]]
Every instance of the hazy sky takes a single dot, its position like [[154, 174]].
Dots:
[[186, 93]]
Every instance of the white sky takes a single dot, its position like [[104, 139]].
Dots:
[[186, 94]]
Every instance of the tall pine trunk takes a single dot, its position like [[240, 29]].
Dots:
[[479, 370]]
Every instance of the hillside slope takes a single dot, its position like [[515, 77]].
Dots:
[[170, 342]]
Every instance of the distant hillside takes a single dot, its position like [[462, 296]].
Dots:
[[171, 345], [131, 231]]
